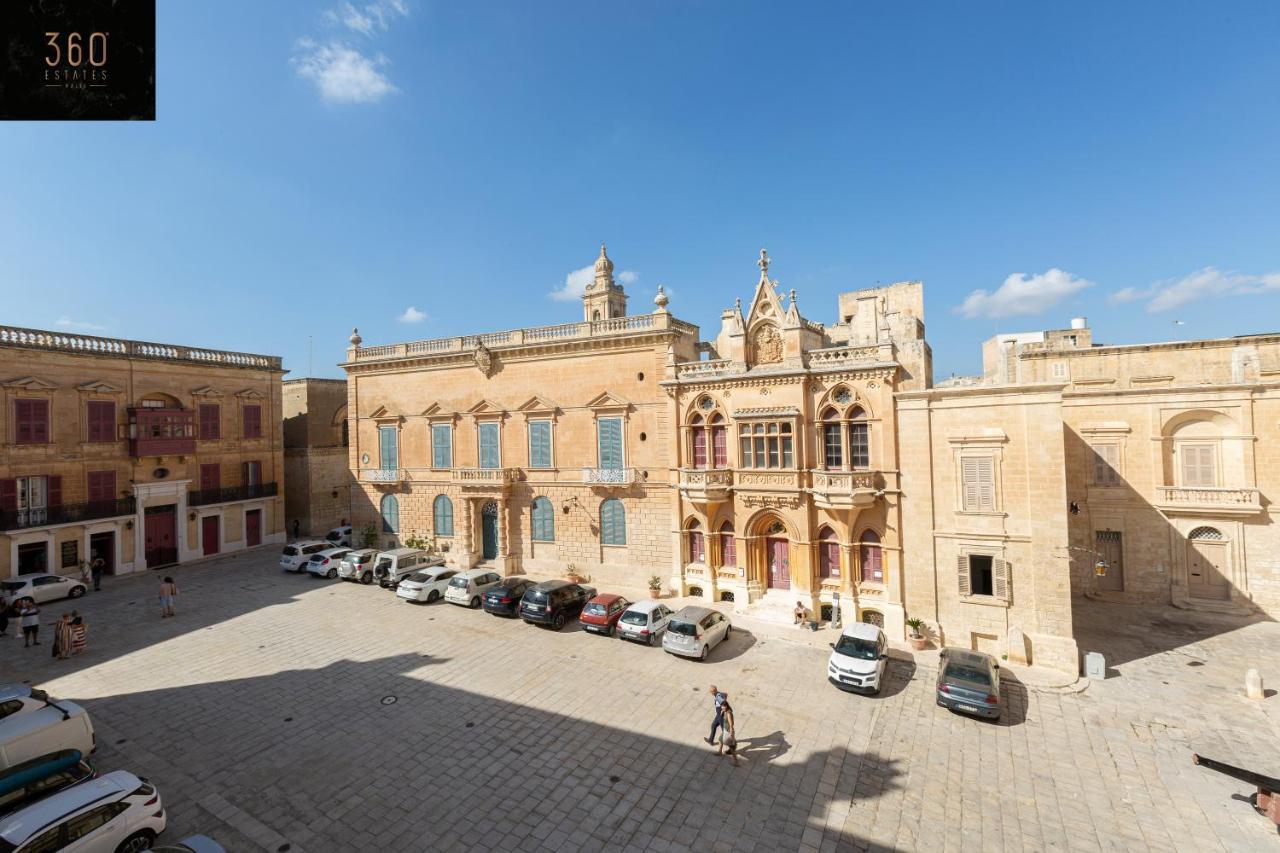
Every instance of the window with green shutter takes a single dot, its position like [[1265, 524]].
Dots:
[[441, 446], [613, 523], [544, 520], [390, 514], [539, 444], [609, 441], [489, 456], [442, 515], [388, 448]]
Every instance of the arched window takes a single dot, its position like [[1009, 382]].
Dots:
[[699, 442], [859, 440], [390, 514], [728, 548], [544, 520], [870, 557], [719, 442], [1210, 533], [832, 441], [697, 543], [613, 522], [828, 554], [595, 316], [442, 515]]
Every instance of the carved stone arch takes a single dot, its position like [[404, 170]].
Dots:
[[1225, 424], [835, 398], [762, 523], [699, 409]]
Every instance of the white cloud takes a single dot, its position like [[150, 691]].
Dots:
[[1210, 281], [368, 19], [65, 322], [1023, 294], [576, 282], [342, 75], [412, 315]]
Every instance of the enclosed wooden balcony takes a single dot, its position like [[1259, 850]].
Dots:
[[161, 432]]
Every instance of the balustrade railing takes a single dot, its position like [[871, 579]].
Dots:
[[381, 475], [609, 476], [94, 345], [203, 497], [1209, 496]]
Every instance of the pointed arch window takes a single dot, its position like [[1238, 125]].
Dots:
[[544, 520], [870, 557], [442, 515], [728, 548], [390, 509], [698, 432], [719, 442], [844, 434], [832, 440], [697, 543], [828, 554]]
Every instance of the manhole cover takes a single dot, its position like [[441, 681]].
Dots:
[[389, 700]]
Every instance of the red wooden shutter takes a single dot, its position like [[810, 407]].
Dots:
[[8, 495], [210, 477], [210, 421], [699, 447], [55, 491], [101, 416], [728, 548], [32, 420], [719, 447], [253, 421]]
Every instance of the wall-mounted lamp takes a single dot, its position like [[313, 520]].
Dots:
[[1075, 508], [334, 493], [191, 516], [128, 525]]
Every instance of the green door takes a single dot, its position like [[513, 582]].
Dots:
[[489, 531]]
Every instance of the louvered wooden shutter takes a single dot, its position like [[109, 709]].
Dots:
[[488, 445], [441, 446], [962, 570], [8, 495], [969, 483], [986, 484], [609, 436], [699, 447], [1000, 578], [720, 447], [55, 491], [539, 444]]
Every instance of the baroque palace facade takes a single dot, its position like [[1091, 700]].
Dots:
[[140, 453], [788, 460]]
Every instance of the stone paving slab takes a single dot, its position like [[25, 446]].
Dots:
[[280, 709]]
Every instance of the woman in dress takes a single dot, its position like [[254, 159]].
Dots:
[[62, 638], [79, 632]]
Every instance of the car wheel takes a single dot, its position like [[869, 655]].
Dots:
[[333, 573], [366, 579], [475, 603], [608, 630], [136, 842], [559, 622], [433, 597], [703, 656], [649, 641], [77, 591]]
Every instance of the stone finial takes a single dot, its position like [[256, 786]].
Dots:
[[737, 305], [355, 338], [661, 300], [763, 263], [793, 297]]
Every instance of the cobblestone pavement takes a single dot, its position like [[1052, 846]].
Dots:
[[277, 709]]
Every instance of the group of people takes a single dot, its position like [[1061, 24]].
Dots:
[[724, 723], [70, 633]]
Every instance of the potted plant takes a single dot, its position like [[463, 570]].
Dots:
[[916, 637], [574, 576], [655, 586]]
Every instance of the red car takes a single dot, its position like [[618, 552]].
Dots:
[[600, 615]]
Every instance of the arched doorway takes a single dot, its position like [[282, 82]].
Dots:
[[489, 531], [1207, 567], [777, 555]]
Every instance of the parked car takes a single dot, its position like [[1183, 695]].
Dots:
[[41, 587], [325, 563], [600, 615], [294, 556], [116, 811], [28, 781], [643, 621], [695, 631], [504, 599], [859, 658], [358, 565], [468, 588], [969, 682], [427, 585], [554, 602], [391, 567], [339, 536], [191, 844], [32, 725]]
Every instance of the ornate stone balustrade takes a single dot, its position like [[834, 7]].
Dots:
[[706, 486], [492, 480], [609, 476], [840, 357], [92, 345], [844, 489], [1206, 499], [382, 475], [698, 369]]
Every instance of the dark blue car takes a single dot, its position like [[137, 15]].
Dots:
[[504, 599]]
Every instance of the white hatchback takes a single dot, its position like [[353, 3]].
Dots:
[[426, 586], [116, 811], [644, 621], [294, 557], [859, 659], [468, 588], [41, 587], [325, 563]]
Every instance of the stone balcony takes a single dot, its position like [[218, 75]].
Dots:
[[844, 489], [608, 476], [1208, 500], [383, 475], [706, 486], [495, 480]]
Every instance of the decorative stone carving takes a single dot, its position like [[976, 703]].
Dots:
[[776, 501], [767, 344], [484, 359]]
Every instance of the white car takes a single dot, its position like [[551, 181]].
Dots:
[[468, 588], [427, 585], [295, 555], [859, 659], [41, 587], [644, 621], [695, 631], [116, 811], [325, 563], [339, 536], [358, 565], [32, 724]]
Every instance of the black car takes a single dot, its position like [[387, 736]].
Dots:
[[554, 602], [504, 599], [25, 783]]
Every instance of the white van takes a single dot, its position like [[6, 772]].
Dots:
[[391, 567], [32, 724]]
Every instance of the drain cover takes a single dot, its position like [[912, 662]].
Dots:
[[283, 848], [615, 778], [288, 719], [389, 700], [469, 725]]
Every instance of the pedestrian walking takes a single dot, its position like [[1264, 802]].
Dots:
[[79, 633], [96, 568], [30, 618], [728, 736], [719, 699], [62, 637], [295, 528], [168, 592]]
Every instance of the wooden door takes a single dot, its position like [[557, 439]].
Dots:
[[1207, 569], [161, 532], [1110, 548], [104, 546], [209, 530], [489, 532], [779, 563], [253, 527]]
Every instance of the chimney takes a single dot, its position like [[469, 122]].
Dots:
[[1079, 322]]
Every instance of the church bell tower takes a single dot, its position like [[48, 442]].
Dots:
[[604, 298]]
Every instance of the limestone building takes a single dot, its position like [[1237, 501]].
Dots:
[[317, 494], [145, 454]]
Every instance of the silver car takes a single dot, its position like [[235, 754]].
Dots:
[[695, 631]]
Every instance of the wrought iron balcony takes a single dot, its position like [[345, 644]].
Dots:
[[23, 519], [1208, 499], [706, 486], [609, 476], [382, 475], [844, 489], [203, 497]]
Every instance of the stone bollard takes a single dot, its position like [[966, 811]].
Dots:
[[1253, 685], [1095, 666]]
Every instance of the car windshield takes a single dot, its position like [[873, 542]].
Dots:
[[420, 577], [856, 647], [635, 617], [459, 583], [688, 629], [594, 609], [290, 551], [960, 672], [13, 584], [361, 559], [536, 595]]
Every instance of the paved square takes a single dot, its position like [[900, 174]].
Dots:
[[328, 716]]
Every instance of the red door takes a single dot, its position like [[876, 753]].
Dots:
[[209, 534], [253, 527], [779, 563], [161, 536]]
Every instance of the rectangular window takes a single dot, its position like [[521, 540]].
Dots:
[[832, 451], [489, 455], [102, 486], [720, 447], [766, 445], [859, 447], [251, 472], [1106, 464], [728, 549], [31, 419], [981, 575], [388, 448], [1198, 465], [70, 554], [977, 483], [210, 477], [210, 421], [539, 444], [697, 547], [441, 446], [609, 443], [101, 418], [699, 447], [253, 421]]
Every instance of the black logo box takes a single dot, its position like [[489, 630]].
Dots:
[[104, 60]]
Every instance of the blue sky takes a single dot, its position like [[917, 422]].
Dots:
[[318, 166]]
